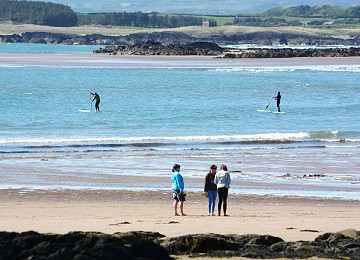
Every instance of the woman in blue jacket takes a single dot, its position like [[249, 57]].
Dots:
[[178, 190]]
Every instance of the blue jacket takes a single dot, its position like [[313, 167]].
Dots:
[[177, 181]]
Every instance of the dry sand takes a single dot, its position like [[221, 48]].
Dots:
[[120, 211]]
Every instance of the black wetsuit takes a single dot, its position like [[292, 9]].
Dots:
[[97, 98], [278, 98]]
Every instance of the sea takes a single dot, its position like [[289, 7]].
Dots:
[[152, 117]]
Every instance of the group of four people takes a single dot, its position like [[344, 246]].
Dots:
[[217, 183]]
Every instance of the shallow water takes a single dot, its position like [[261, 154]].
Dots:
[[151, 118]]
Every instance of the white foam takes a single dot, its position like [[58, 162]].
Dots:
[[214, 138]]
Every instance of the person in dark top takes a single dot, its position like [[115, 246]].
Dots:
[[278, 98], [210, 189], [97, 103]]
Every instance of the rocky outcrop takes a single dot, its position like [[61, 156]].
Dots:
[[292, 53], [171, 37], [80, 245], [152, 245], [156, 48]]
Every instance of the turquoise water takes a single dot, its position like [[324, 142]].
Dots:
[[44, 48], [193, 116]]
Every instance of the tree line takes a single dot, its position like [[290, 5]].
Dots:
[[279, 16], [325, 11], [51, 14], [41, 13], [139, 19]]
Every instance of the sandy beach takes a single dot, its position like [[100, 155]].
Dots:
[[117, 61], [62, 211]]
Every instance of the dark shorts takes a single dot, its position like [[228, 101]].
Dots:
[[177, 196]]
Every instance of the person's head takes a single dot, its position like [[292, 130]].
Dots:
[[223, 167], [176, 167], [213, 168]]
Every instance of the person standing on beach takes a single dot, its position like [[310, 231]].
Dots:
[[178, 190], [222, 180], [210, 189], [97, 103], [278, 98]]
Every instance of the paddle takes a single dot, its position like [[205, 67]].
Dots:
[[91, 102], [270, 100]]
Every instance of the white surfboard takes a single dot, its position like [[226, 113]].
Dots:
[[263, 111], [279, 112], [84, 110]]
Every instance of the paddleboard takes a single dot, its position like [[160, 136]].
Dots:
[[279, 112], [84, 111], [263, 111]]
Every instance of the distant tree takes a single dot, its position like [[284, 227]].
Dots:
[[353, 12], [42, 13]]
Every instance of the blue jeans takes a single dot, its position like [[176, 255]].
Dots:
[[212, 199]]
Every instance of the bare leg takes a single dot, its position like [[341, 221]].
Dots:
[[182, 208], [175, 208]]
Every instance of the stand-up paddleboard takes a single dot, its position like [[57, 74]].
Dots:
[[84, 110], [279, 112], [263, 111]]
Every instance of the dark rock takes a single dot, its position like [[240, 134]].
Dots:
[[156, 48], [200, 243], [76, 245], [133, 237], [291, 53], [147, 249], [149, 245]]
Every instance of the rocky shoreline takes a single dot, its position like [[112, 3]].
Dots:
[[178, 43], [173, 37], [292, 53], [156, 48], [153, 245], [212, 49]]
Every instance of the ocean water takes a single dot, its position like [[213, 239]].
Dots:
[[151, 118]]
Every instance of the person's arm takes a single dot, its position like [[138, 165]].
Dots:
[[206, 184], [229, 179], [181, 183]]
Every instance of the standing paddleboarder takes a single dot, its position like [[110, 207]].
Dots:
[[97, 98], [278, 98]]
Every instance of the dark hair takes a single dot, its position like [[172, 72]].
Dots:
[[213, 167], [223, 167], [176, 166]]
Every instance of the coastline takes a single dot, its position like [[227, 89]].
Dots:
[[62, 211]]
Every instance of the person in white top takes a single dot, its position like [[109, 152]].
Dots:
[[222, 180]]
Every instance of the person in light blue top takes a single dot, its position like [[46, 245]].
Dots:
[[178, 190], [222, 180]]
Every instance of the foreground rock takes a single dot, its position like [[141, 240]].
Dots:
[[149, 245], [156, 48]]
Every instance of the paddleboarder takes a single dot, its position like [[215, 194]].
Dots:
[[278, 98], [97, 103]]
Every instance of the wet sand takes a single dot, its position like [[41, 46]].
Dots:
[[117, 61]]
